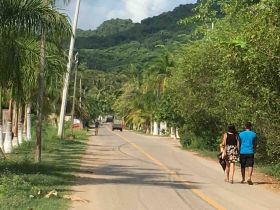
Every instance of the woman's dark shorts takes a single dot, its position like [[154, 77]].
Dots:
[[246, 160]]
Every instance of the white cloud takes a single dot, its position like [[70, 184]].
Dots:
[[94, 12], [137, 9]]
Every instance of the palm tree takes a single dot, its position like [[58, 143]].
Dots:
[[20, 123], [41, 81], [8, 147], [155, 80], [1, 128], [25, 18]]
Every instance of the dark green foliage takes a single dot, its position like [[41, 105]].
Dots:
[[232, 76], [116, 32], [124, 51], [109, 27], [118, 43], [117, 58]]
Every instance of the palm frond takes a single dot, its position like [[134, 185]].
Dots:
[[32, 17]]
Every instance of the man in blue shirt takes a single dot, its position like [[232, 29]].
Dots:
[[248, 143]]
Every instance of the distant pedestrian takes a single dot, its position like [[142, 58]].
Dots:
[[230, 146], [96, 125], [248, 143]]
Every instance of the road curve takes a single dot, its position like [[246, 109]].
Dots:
[[128, 171]]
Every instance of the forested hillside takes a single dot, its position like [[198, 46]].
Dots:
[[107, 28], [116, 44]]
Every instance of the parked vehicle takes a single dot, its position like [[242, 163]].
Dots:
[[117, 125]]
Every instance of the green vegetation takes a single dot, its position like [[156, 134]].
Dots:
[[32, 66], [24, 184], [232, 76], [116, 59], [117, 44], [197, 68], [272, 170], [220, 65], [109, 27], [32, 35]]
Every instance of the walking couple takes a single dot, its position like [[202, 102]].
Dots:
[[239, 146]]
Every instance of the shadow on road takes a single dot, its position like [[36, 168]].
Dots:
[[131, 175], [105, 164]]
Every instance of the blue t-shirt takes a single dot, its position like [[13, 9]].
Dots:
[[247, 139]]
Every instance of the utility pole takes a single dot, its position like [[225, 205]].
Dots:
[[74, 95], [80, 99], [67, 75]]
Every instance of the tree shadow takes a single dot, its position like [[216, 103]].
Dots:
[[131, 175], [60, 160]]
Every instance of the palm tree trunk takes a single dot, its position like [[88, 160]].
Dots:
[[15, 125], [173, 132], [14, 117], [41, 81], [1, 120], [8, 147], [28, 122], [20, 120], [25, 122]]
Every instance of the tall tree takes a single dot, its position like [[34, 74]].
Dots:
[[28, 18]]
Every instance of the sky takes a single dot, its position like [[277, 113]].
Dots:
[[95, 12]]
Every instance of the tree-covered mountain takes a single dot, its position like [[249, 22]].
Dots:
[[117, 31], [117, 44], [108, 27]]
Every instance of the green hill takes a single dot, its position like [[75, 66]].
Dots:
[[116, 44], [108, 27]]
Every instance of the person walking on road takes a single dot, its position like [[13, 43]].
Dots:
[[248, 143], [96, 125], [231, 147]]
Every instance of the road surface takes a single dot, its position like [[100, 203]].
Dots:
[[128, 171]]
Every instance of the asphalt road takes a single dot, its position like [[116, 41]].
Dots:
[[128, 171]]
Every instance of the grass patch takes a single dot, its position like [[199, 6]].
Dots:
[[24, 183], [270, 169]]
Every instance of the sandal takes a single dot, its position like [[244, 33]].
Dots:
[[249, 182], [231, 181], [242, 182]]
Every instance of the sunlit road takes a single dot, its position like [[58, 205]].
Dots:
[[128, 171]]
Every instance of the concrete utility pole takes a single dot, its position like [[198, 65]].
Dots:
[[80, 99], [74, 95], [67, 75]]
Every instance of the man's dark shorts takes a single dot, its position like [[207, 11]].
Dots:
[[246, 160]]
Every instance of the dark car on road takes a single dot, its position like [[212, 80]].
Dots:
[[117, 125]]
